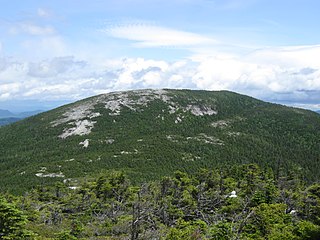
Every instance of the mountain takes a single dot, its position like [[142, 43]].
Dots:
[[27, 114], [152, 133], [6, 114], [7, 117]]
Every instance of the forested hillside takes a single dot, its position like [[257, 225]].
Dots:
[[240, 202], [152, 133]]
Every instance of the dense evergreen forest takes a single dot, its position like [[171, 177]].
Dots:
[[239, 202]]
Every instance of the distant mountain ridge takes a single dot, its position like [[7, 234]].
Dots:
[[6, 114], [7, 117], [151, 133]]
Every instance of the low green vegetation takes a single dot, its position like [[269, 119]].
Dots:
[[242, 202]]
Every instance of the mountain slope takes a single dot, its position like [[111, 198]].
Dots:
[[151, 133]]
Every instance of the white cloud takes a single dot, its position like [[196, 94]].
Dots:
[[12, 71], [266, 73], [306, 106], [54, 90], [294, 56], [8, 90], [133, 71], [54, 67], [4, 96], [71, 79], [146, 35]]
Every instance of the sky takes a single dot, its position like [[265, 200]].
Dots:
[[57, 52]]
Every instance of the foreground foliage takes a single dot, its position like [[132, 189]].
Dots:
[[12, 222], [242, 202]]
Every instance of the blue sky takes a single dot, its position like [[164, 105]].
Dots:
[[55, 52]]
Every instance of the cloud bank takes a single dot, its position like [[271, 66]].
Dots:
[[290, 75]]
